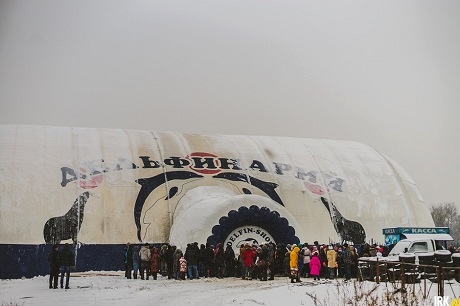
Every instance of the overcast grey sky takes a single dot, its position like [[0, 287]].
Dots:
[[384, 73]]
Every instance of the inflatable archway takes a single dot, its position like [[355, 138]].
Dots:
[[100, 188]]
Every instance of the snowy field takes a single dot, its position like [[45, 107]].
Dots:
[[111, 288]]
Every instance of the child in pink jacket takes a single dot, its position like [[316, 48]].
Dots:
[[315, 266]]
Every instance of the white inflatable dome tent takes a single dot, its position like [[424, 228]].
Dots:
[[101, 188]]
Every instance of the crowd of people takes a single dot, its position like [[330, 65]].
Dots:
[[251, 262]]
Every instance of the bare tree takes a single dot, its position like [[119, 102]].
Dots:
[[446, 215]]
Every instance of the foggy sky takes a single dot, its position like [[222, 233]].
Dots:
[[384, 73]]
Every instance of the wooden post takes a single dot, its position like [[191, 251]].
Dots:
[[377, 272], [403, 278], [440, 281]]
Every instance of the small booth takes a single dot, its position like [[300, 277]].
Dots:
[[395, 234]]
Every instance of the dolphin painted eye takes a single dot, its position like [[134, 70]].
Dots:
[[247, 191], [172, 192]]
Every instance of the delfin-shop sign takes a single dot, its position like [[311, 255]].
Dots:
[[90, 173]]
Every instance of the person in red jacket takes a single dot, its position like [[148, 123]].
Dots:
[[249, 257]]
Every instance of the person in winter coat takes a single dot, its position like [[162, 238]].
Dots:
[[229, 261], [241, 261], [163, 266], [176, 265], [169, 255], [219, 261], [331, 261], [323, 259], [294, 263], [287, 258], [280, 265], [249, 257], [315, 266], [271, 261], [182, 268], [53, 260], [262, 262], [208, 260], [348, 261], [201, 265], [340, 263], [67, 261], [300, 264], [128, 259], [192, 255], [154, 262], [136, 260], [145, 256], [306, 261]]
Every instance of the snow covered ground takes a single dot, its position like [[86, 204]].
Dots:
[[111, 288]]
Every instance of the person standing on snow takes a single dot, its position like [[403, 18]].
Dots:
[[145, 256], [154, 262], [348, 261], [331, 255], [315, 266], [136, 260], [128, 259], [306, 260], [219, 260], [192, 255], [182, 268], [294, 263], [176, 264], [249, 257], [229, 262], [53, 260], [66, 261]]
